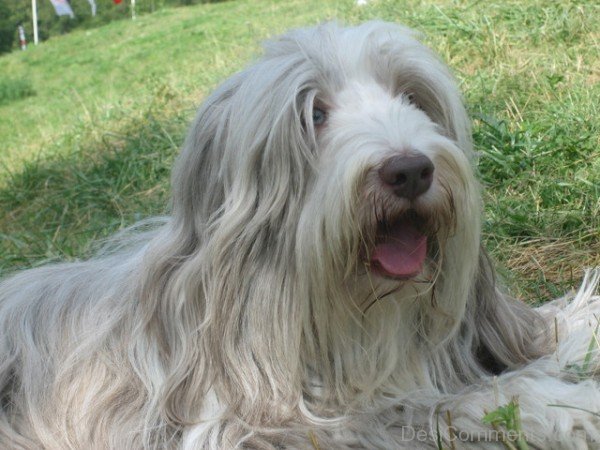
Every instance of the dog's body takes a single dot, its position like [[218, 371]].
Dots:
[[320, 282]]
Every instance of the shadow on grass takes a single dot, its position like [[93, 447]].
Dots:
[[55, 207], [14, 89]]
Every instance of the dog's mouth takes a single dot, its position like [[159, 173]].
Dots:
[[400, 247]]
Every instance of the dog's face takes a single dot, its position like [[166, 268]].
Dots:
[[344, 150], [387, 175], [392, 181]]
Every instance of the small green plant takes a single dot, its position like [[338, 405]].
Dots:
[[438, 436], [14, 89], [585, 370], [451, 432], [507, 421]]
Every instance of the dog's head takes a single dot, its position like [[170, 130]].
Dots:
[[343, 150]]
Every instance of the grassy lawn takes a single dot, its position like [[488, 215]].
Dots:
[[90, 122]]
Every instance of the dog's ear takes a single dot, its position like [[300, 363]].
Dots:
[[509, 332], [237, 186], [197, 177], [247, 151]]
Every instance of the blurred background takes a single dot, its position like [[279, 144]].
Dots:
[[57, 17]]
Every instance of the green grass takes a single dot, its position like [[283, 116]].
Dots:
[[506, 420], [12, 90], [91, 151]]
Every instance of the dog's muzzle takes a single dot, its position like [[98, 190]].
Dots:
[[401, 245]]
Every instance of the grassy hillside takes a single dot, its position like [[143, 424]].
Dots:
[[88, 142], [95, 75]]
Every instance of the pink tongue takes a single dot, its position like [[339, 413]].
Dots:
[[403, 253]]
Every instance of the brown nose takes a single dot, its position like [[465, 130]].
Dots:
[[409, 176]]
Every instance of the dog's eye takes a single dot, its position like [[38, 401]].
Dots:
[[413, 100], [318, 116]]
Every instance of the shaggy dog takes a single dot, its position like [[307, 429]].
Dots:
[[319, 284]]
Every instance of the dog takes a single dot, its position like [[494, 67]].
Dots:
[[319, 283]]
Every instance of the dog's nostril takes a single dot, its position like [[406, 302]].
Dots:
[[400, 178], [409, 176]]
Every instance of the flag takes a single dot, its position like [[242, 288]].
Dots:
[[117, 2], [22, 40], [62, 8], [93, 5]]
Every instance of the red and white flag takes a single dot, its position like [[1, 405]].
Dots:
[[62, 8]]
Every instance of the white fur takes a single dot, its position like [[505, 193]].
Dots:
[[251, 317]]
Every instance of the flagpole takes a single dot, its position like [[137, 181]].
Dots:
[[34, 14]]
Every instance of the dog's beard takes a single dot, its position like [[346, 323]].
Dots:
[[390, 244], [402, 249]]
